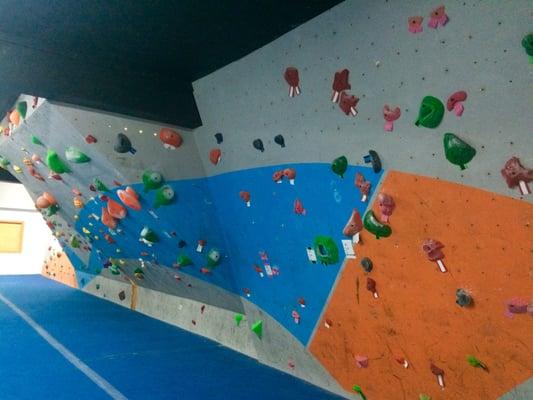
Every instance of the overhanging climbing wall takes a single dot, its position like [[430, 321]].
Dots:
[[249, 230]]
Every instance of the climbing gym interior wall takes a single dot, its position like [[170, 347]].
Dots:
[[355, 209]]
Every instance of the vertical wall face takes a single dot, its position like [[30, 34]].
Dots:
[[271, 207]]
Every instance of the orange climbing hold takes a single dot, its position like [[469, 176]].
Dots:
[[108, 220], [130, 198], [115, 209]]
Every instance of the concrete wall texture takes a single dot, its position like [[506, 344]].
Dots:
[[309, 312]]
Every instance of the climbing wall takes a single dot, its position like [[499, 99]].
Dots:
[[396, 116]]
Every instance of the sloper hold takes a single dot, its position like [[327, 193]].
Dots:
[[170, 138], [257, 328], [55, 163], [258, 144], [279, 139], [164, 196], [219, 137], [375, 227], [431, 112], [238, 319], [214, 156], [373, 158], [326, 250], [152, 180], [457, 151], [340, 165], [527, 44], [123, 144], [75, 155]]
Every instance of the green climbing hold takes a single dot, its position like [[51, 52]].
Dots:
[[99, 185], [164, 196], [359, 391], [55, 163], [474, 362], [139, 273], [238, 319], [74, 242], [152, 180], [148, 236], [326, 250], [339, 166], [115, 269], [457, 151], [36, 140], [4, 162], [183, 261], [22, 108], [424, 397], [52, 210], [76, 156], [257, 328], [213, 258], [431, 112], [527, 44], [372, 225]]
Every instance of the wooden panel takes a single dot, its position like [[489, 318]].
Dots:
[[11, 234]]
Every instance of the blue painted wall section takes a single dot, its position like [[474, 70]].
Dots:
[[211, 209]]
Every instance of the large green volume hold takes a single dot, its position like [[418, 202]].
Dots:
[[339, 166], [431, 112], [372, 225], [457, 151], [55, 163], [527, 44], [326, 250]]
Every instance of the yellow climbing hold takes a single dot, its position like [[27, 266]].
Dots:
[[17, 169], [86, 231]]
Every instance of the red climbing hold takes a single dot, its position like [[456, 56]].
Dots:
[[340, 84], [363, 185], [299, 208], [516, 175], [90, 139], [170, 138], [361, 361], [371, 287], [214, 156], [353, 226], [348, 103], [386, 206], [245, 196], [455, 102], [290, 174], [439, 373], [390, 116], [277, 176], [293, 80]]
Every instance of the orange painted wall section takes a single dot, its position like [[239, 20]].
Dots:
[[488, 251], [57, 266]]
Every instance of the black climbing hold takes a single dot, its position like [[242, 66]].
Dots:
[[123, 144], [122, 295], [219, 137], [258, 144], [279, 139], [463, 298], [182, 243], [367, 264], [373, 158]]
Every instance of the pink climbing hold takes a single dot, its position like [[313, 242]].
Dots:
[[386, 206], [455, 102], [361, 361], [390, 116], [433, 249], [363, 185], [90, 139], [295, 317], [414, 24], [518, 306], [438, 17]]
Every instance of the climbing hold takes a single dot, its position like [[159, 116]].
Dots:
[[437, 17], [339, 166], [22, 108], [14, 117], [90, 139], [372, 225], [42, 203], [4, 162], [293, 80], [348, 103], [245, 196], [75, 155], [424, 397], [114, 269], [36, 140], [527, 44], [27, 162], [431, 112], [386, 206], [200, 245], [359, 391], [299, 208], [455, 102], [515, 175], [295, 316], [353, 226], [139, 273], [340, 84], [364, 186], [238, 319], [279, 139], [78, 202], [367, 264], [326, 250], [182, 243], [371, 287], [148, 236], [170, 138], [257, 328], [164, 196], [219, 138], [130, 198], [109, 239], [74, 242], [115, 209], [277, 176], [414, 24], [301, 302], [463, 298], [55, 163], [99, 185], [390, 116], [214, 156], [474, 362], [33, 172], [439, 373], [373, 158], [52, 210], [290, 174], [36, 159], [361, 361], [258, 144], [433, 249], [123, 144], [457, 151], [518, 306], [152, 180], [213, 258], [122, 295], [108, 220], [183, 260]]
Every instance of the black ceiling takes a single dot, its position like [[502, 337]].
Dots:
[[131, 56]]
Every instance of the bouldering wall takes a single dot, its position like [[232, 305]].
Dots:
[[248, 230]]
